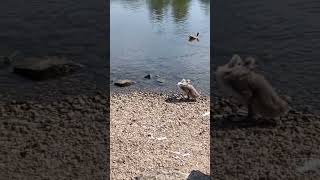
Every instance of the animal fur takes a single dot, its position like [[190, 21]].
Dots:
[[238, 80], [187, 87]]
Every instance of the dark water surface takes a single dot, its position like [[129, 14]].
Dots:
[[74, 28], [283, 35], [151, 37]]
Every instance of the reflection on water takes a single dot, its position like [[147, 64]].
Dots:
[[158, 9], [205, 6], [131, 4], [73, 28], [151, 36], [180, 10]]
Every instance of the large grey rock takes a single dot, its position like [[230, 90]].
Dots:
[[124, 83], [45, 68]]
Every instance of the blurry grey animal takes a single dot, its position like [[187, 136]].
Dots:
[[239, 80], [187, 87], [194, 37]]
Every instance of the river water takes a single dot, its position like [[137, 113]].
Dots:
[[75, 29], [151, 37]]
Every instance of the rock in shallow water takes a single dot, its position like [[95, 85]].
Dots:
[[45, 68], [148, 76], [160, 80], [124, 83]]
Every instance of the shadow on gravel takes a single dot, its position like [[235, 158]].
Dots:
[[239, 122], [178, 99]]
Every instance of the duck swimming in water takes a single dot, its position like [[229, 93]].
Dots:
[[239, 80], [194, 37]]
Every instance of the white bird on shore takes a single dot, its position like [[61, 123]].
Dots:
[[187, 87], [238, 80]]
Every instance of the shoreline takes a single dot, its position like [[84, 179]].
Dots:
[[168, 92]]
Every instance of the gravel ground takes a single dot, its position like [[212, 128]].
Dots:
[[287, 148], [156, 136], [153, 136], [64, 139]]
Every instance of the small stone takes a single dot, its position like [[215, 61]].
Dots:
[[69, 100], [23, 154], [70, 115], [81, 101]]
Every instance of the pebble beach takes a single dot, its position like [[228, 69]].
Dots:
[[154, 135]]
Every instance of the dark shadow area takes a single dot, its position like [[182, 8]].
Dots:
[[231, 122], [73, 30], [283, 38], [54, 89], [179, 99], [194, 40]]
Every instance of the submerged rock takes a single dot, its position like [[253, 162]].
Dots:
[[124, 83], [45, 68], [148, 76], [160, 80]]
